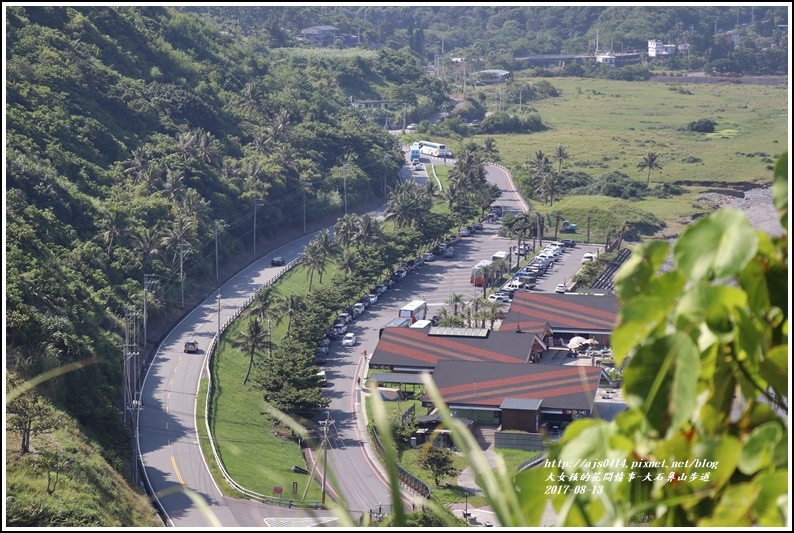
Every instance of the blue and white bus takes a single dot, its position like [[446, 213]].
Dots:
[[434, 149], [415, 153]]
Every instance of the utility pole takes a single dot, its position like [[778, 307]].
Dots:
[[131, 402], [269, 342], [181, 271], [256, 204], [344, 181], [325, 424], [218, 334], [405, 107], [147, 281], [303, 186], [217, 274]]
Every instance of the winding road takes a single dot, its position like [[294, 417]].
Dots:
[[175, 469]]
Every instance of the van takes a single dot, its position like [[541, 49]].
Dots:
[[323, 378], [517, 285]]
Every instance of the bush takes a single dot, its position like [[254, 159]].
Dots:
[[704, 125], [507, 123]]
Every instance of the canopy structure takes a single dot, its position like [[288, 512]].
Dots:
[[590, 341]]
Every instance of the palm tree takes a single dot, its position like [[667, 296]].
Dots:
[[489, 149], [475, 310], [345, 230], [251, 341], [369, 231], [325, 244], [500, 267], [456, 300], [262, 306], [145, 246], [312, 258], [560, 154], [486, 272], [114, 224], [289, 306], [250, 100], [651, 162], [347, 263]]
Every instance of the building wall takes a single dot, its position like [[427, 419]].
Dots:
[[518, 441], [482, 417], [521, 420]]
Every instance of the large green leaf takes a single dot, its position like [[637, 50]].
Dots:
[[770, 506], [774, 368], [717, 246], [530, 486], [717, 457], [640, 268], [662, 380], [780, 189], [758, 448], [733, 509], [636, 319]]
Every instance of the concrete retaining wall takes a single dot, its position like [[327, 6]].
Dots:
[[518, 441]]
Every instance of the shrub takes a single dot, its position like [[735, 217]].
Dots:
[[704, 125]]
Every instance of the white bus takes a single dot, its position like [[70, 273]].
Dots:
[[416, 310], [500, 255], [434, 149], [415, 153]]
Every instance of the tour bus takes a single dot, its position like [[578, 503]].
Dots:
[[476, 272], [500, 255], [416, 310], [434, 149], [415, 153], [399, 322]]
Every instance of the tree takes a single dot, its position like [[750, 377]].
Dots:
[[289, 306], [369, 231], [561, 155], [439, 461], [251, 341], [345, 229], [651, 162], [29, 414], [455, 301]]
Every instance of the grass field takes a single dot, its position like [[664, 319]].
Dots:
[[610, 125]]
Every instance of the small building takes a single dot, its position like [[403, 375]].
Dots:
[[657, 48], [494, 75], [607, 59], [324, 35], [369, 104]]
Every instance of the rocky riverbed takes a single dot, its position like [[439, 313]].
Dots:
[[756, 204]]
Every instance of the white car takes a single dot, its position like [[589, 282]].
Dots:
[[499, 298], [411, 127], [560, 289], [373, 298], [349, 339], [465, 232]]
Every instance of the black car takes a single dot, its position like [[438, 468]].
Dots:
[[277, 261], [570, 243], [435, 320], [478, 226]]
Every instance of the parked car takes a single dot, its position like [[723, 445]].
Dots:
[[499, 297], [277, 261], [570, 243], [427, 257], [435, 320], [324, 349], [332, 334], [360, 307], [325, 342], [380, 288], [349, 340], [449, 252], [341, 328], [478, 226], [373, 298], [411, 127], [402, 272], [347, 317], [560, 289], [465, 232], [588, 258], [323, 378], [320, 358], [395, 277]]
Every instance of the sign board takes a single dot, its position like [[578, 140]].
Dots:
[[294, 487]]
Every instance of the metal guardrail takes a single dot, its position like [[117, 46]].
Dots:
[[284, 502], [606, 279], [407, 478], [533, 461]]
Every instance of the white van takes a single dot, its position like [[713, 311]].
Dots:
[[588, 258], [323, 378], [516, 285]]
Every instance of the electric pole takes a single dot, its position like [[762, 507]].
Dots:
[[147, 282], [217, 274], [181, 271], [344, 182], [257, 203], [325, 424]]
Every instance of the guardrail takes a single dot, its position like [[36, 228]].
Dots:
[[284, 502], [533, 461], [407, 478]]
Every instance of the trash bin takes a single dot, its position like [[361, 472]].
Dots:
[[413, 442]]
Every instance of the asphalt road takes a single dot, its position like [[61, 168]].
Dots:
[[174, 466]]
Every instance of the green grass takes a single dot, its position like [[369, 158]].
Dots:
[[610, 125]]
